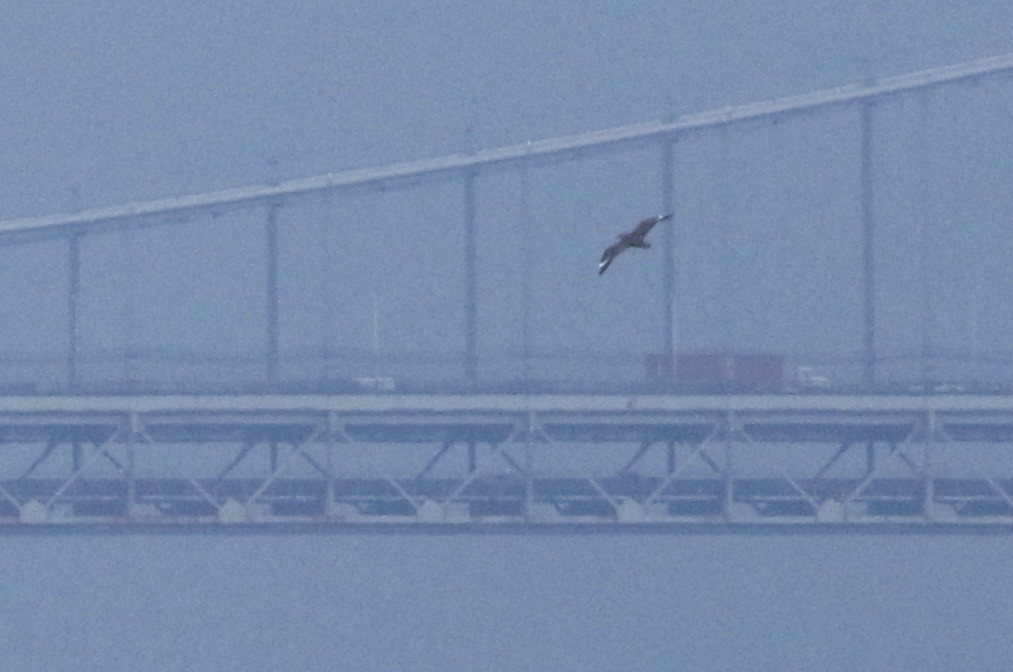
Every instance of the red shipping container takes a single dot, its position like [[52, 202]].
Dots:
[[726, 372]]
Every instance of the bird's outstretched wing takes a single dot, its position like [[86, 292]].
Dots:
[[634, 238], [645, 226], [610, 253]]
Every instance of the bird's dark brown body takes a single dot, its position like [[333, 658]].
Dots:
[[634, 238]]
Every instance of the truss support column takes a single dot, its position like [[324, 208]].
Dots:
[[929, 493], [73, 299], [329, 496], [470, 284], [472, 459], [727, 476], [671, 457], [668, 240], [868, 250], [529, 466], [329, 490], [76, 456], [272, 294], [128, 470]]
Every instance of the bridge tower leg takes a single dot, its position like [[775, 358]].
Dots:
[[272, 294], [668, 240], [470, 282], [868, 249], [73, 298]]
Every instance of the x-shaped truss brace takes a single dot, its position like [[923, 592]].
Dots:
[[298, 449], [897, 450], [498, 450], [535, 428], [97, 449], [698, 449]]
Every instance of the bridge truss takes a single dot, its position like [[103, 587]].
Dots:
[[515, 463]]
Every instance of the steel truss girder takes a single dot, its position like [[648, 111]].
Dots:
[[701, 485]]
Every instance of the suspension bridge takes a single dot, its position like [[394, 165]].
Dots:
[[472, 458]]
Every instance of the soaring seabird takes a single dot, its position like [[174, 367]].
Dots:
[[634, 238]]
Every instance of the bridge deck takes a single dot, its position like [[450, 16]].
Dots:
[[603, 462]]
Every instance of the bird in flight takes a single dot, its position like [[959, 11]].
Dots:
[[634, 238]]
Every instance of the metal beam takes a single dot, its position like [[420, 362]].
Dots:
[[272, 294], [668, 241], [868, 251], [99, 412], [73, 299], [470, 283], [527, 151]]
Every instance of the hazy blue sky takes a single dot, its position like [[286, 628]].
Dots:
[[107, 102], [113, 102]]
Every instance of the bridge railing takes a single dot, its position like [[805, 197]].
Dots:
[[355, 371]]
